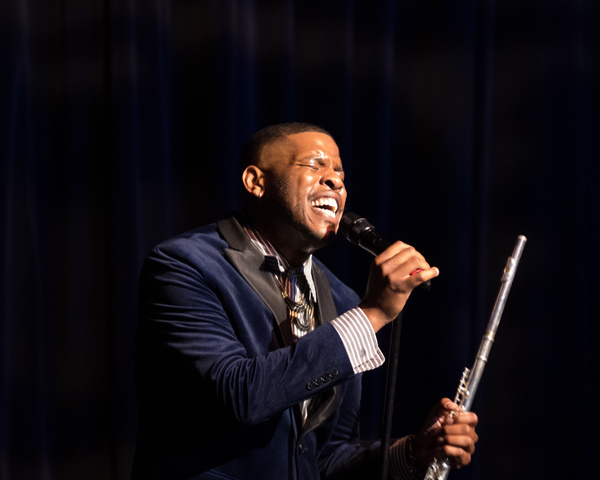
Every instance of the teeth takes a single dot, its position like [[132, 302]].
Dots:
[[328, 205]]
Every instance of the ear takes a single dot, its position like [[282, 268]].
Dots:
[[253, 179]]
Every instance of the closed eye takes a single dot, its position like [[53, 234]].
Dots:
[[312, 166], [318, 164]]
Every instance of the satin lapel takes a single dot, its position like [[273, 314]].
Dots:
[[324, 404], [327, 311], [249, 262]]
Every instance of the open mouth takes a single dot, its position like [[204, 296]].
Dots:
[[327, 206]]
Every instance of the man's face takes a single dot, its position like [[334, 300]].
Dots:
[[304, 187]]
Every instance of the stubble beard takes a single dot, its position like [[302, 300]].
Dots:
[[295, 218]]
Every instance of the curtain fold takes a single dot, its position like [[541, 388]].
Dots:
[[461, 125]]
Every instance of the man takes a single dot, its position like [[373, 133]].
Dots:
[[250, 351]]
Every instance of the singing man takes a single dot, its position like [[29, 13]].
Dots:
[[250, 352]]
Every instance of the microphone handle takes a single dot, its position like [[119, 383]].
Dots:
[[372, 242], [359, 231]]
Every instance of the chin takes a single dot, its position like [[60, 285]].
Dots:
[[330, 235], [316, 234], [325, 238]]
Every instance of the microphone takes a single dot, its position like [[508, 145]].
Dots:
[[360, 232]]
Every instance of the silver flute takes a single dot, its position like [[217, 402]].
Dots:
[[439, 468]]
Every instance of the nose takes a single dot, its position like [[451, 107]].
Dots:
[[332, 179]]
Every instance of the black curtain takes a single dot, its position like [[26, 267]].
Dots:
[[461, 125]]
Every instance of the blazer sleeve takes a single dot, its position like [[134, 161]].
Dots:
[[345, 455], [202, 330]]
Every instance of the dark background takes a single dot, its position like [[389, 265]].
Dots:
[[461, 125]]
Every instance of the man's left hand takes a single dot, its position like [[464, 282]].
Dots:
[[449, 433]]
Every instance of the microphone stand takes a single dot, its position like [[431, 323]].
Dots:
[[359, 231], [390, 392]]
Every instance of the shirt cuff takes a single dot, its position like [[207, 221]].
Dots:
[[359, 339], [401, 460]]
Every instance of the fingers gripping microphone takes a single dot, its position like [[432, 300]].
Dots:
[[359, 231]]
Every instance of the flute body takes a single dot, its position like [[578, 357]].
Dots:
[[440, 468]]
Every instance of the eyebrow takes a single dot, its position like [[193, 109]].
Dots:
[[314, 156]]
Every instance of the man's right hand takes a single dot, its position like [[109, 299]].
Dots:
[[391, 281]]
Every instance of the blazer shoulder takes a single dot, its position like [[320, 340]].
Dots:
[[193, 246]]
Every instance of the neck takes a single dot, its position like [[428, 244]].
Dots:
[[289, 242], [285, 245]]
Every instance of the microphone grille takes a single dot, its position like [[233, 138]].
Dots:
[[353, 225]]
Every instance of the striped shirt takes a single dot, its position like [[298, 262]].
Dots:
[[353, 326]]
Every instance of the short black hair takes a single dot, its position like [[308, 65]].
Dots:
[[252, 149]]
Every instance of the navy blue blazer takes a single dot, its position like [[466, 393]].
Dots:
[[217, 388]]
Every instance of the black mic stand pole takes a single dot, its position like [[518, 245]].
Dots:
[[390, 392], [359, 231]]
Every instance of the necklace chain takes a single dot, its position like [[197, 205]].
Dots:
[[301, 312]]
